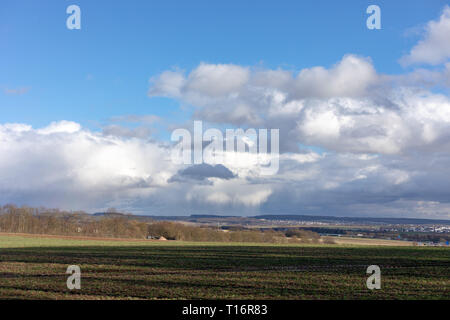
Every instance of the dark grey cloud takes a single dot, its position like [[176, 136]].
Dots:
[[203, 171]]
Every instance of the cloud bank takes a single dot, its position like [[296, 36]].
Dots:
[[65, 165], [346, 108]]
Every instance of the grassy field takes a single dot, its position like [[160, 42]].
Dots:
[[34, 268], [368, 241]]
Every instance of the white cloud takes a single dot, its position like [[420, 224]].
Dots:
[[213, 80], [347, 108], [168, 83], [62, 158], [434, 48], [87, 170], [60, 127], [64, 165], [350, 77]]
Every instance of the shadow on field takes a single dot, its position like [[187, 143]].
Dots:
[[230, 257]]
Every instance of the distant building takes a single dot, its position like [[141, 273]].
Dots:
[[161, 238]]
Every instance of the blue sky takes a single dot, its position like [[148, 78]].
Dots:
[[364, 115], [102, 70]]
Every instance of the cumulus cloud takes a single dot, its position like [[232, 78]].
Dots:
[[351, 76], [64, 165], [212, 80], [347, 108], [434, 48], [408, 120], [264, 98], [63, 161]]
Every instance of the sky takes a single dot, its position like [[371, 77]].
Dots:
[[86, 115]]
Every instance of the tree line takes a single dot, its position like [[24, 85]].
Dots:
[[15, 219], [55, 222]]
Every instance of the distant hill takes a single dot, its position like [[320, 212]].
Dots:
[[354, 220], [196, 216], [110, 214], [306, 218]]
